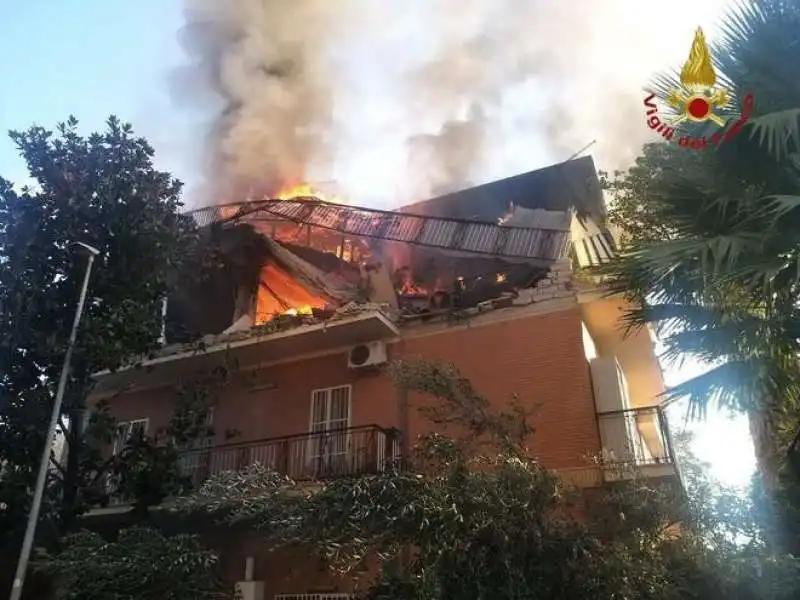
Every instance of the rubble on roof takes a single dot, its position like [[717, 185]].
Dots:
[[296, 285], [519, 216], [557, 284], [327, 262]]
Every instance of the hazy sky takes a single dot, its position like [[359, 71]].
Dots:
[[91, 58]]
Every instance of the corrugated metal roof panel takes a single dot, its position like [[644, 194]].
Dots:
[[438, 232]]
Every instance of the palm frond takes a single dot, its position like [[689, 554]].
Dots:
[[778, 132], [698, 259], [722, 286], [733, 385], [777, 206], [758, 50]]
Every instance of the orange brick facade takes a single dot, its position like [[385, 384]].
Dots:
[[540, 358]]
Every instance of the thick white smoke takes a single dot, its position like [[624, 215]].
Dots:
[[426, 95], [269, 63]]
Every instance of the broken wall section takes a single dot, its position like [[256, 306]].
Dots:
[[240, 278], [289, 284]]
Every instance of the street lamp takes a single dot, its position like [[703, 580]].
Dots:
[[44, 465]]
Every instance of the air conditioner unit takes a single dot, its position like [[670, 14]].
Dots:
[[367, 355]]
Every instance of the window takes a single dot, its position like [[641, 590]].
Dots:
[[330, 409], [125, 430], [195, 458], [204, 420], [330, 417]]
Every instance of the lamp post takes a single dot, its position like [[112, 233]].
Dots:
[[44, 465]]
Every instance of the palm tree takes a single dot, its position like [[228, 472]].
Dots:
[[713, 253]]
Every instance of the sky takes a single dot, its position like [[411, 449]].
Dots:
[[92, 58]]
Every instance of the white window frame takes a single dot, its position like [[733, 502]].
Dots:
[[311, 454], [207, 441], [119, 443], [329, 391]]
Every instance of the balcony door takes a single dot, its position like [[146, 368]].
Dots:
[[195, 457], [330, 418], [127, 430]]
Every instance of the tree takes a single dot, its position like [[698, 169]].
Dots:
[[102, 190], [142, 564], [712, 245], [484, 518], [148, 468]]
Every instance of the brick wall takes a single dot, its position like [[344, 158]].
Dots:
[[539, 357], [541, 360]]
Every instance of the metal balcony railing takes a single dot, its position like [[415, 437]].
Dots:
[[435, 232], [303, 457], [636, 437]]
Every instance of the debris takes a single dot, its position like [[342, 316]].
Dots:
[[308, 275], [244, 323], [359, 307]]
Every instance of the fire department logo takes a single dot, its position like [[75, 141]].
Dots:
[[698, 100]]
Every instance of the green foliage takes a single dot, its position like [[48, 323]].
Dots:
[[147, 469], [758, 52], [142, 564], [712, 247], [102, 190], [476, 520]]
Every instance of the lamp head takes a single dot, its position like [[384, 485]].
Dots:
[[90, 249]]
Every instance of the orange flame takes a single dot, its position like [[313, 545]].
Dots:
[[410, 288], [306, 190], [300, 310], [348, 249], [280, 294]]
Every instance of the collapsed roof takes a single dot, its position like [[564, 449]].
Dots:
[[490, 240]]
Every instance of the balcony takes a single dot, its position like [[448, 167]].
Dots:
[[636, 439], [302, 457]]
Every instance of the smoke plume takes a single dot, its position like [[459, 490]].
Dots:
[[445, 161], [474, 89], [268, 63]]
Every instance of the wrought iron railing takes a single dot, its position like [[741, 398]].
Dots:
[[434, 232], [636, 436], [302, 457]]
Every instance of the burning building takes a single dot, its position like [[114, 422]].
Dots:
[[315, 296]]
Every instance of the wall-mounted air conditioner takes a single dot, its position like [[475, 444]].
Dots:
[[372, 354]]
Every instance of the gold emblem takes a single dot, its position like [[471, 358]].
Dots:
[[697, 98]]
